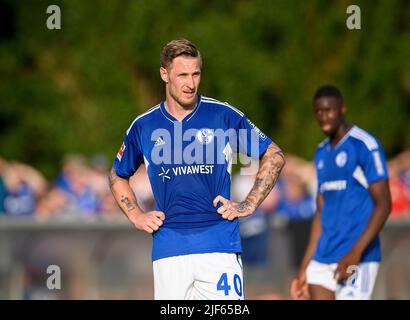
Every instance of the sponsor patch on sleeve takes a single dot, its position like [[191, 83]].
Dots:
[[120, 152], [257, 130]]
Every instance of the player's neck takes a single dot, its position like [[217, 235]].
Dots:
[[340, 133], [177, 110]]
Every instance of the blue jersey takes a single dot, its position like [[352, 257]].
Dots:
[[188, 164], [344, 173]]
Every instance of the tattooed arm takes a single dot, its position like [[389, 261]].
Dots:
[[126, 200], [271, 164]]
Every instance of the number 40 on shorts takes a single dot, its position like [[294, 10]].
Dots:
[[224, 284]]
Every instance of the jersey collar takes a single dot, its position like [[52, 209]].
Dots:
[[188, 117], [347, 134]]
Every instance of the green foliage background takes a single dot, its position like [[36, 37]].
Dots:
[[79, 88]]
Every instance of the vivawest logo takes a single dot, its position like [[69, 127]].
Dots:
[[166, 174]]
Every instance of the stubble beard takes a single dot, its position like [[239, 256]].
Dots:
[[185, 103]]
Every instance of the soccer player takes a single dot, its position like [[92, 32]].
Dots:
[[187, 143], [353, 203]]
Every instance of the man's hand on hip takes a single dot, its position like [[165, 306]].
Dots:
[[231, 210]]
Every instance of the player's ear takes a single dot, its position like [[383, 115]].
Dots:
[[164, 74], [344, 108]]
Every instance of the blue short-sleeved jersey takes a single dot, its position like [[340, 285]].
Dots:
[[344, 173], [188, 164]]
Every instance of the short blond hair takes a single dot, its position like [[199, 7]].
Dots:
[[176, 48]]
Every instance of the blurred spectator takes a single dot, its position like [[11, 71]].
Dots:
[[296, 207], [22, 185], [2, 196], [399, 173], [97, 173], [53, 203], [295, 202], [304, 170], [3, 164], [75, 181], [404, 160], [254, 228]]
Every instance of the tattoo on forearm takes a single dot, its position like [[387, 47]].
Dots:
[[123, 194], [271, 165], [127, 203]]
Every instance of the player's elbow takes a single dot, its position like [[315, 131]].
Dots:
[[385, 205], [112, 178], [279, 156], [282, 159], [387, 201], [388, 205]]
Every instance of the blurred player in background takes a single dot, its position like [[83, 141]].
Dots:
[[196, 241], [353, 203]]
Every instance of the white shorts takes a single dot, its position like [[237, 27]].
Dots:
[[205, 276], [358, 287]]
